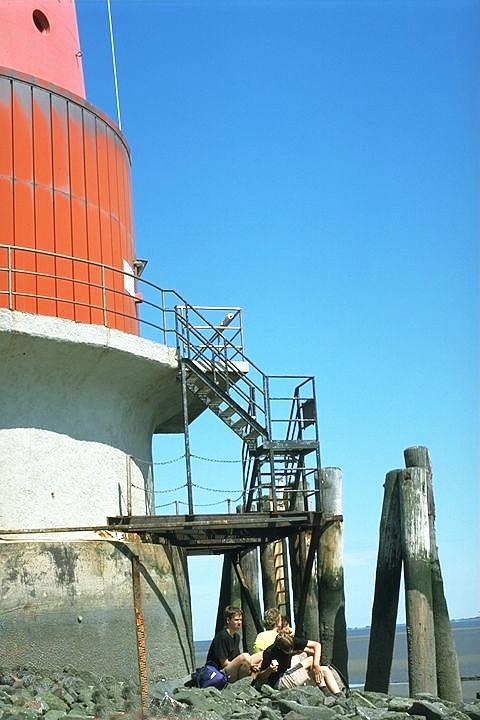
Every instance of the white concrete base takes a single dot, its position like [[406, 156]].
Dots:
[[76, 402], [78, 407]]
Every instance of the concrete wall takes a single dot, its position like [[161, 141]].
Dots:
[[76, 402], [71, 603]]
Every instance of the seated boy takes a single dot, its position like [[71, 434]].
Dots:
[[273, 623], [276, 671], [224, 649]]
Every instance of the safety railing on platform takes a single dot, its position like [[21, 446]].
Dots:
[[209, 339], [54, 284]]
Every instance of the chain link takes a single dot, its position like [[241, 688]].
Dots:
[[214, 460], [180, 457]]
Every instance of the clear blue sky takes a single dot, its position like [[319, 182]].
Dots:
[[318, 164]]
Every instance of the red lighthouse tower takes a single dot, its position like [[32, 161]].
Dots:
[[80, 392], [66, 242]]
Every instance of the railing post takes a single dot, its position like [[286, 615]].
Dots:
[[129, 485], [186, 436], [104, 297], [10, 280], [316, 475], [268, 425], [164, 319], [241, 330], [187, 330]]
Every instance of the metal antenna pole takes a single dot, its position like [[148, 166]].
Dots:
[[114, 63]]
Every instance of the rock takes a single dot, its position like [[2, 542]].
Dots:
[[28, 694], [400, 704], [472, 710], [53, 702], [309, 712], [381, 714], [53, 715], [378, 699], [292, 715], [362, 699], [458, 715], [430, 709], [305, 695], [268, 713]]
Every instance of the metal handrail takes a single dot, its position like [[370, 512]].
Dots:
[[163, 307], [179, 323], [187, 318]]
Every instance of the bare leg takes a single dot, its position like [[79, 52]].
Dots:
[[297, 675], [329, 680], [238, 668], [256, 658]]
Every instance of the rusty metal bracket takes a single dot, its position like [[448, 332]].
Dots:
[[140, 634]]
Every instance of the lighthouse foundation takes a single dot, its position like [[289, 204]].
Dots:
[[79, 406], [71, 603]]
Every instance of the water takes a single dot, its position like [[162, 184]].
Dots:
[[467, 640]]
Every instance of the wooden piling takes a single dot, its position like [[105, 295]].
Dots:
[[298, 550], [268, 575], [387, 587], [331, 592], [247, 571], [415, 533], [229, 590], [298, 546], [448, 673]]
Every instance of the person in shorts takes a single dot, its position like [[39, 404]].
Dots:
[[277, 672], [224, 651]]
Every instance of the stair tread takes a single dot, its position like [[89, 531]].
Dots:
[[228, 412], [238, 424]]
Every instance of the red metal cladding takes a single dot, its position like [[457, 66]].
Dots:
[[65, 206], [49, 48]]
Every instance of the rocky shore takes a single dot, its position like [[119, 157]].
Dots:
[[28, 694]]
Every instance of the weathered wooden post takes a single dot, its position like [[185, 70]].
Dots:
[[331, 592], [308, 626], [418, 582], [229, 590], [387, 587], [268, 575], [448, 674], [298, 550], [247, 572]]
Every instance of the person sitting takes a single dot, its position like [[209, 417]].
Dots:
[[276, 671], [224, 651], [272, 621]]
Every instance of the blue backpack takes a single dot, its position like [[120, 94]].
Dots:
[[209, 676]]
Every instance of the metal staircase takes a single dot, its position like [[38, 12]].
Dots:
[[274, 415], [210, 386]]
